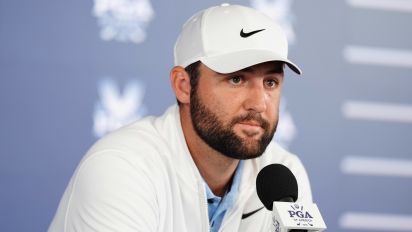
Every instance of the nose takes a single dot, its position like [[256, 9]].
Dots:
[[256, 99]]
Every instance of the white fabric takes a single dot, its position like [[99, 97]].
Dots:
[[142, 178], [228, 38]]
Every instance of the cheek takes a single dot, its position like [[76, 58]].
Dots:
[[219, 106], [273, 112], [223, 104], [273, 107]]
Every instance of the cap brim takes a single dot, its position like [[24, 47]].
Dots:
[[232, 62]]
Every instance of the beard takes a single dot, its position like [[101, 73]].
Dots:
[[222, 138]]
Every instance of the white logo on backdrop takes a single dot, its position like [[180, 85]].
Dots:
[[280, 11], [116, 109], [123, 20], [286, 131]]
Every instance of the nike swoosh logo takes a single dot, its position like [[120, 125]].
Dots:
[[246, 215], [247, 34]]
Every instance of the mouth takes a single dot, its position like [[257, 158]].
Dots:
[[250, 128], [251, 123]]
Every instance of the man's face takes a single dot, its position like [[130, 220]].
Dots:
[[237, 113]]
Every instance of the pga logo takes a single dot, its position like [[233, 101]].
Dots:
[[299, 213], [123, 20]]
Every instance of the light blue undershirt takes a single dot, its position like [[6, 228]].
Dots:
[[217, 206]]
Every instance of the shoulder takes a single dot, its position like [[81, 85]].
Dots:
[[121, 180], [136, 153], [111, 191], [146, 138], [118, 179]]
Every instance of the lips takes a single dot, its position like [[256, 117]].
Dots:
[[250, 128], [251, 123]]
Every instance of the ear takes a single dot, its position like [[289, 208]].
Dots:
[[180, 82]]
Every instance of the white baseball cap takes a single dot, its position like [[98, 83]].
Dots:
[[228, 38]]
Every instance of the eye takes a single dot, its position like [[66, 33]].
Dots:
[[236, 80], [271, 83]]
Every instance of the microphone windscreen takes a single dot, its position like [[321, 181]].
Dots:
[[276, 182]]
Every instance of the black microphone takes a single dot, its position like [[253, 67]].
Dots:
[[276, 182]]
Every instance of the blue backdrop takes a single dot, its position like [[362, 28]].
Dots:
[[70, 71]]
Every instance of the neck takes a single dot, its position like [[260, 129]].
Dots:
[[216, 169]]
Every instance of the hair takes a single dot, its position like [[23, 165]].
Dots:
[[193, 72]]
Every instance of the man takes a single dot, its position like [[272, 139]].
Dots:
[[194, 168]]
